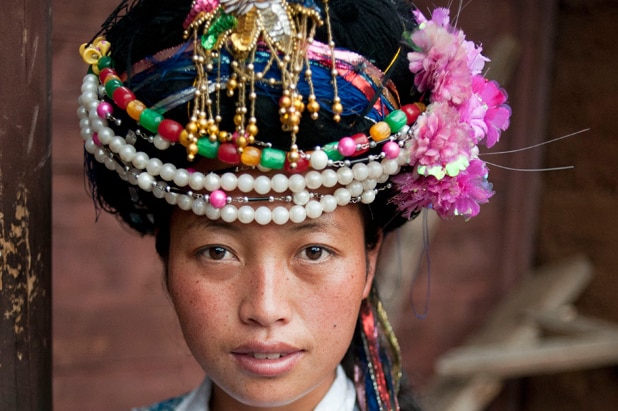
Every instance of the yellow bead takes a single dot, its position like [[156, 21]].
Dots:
[[251, 156], [184, 138], [135, 108], [380, 131]]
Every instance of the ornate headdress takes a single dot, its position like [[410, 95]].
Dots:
[[242, 106], [424, 153]]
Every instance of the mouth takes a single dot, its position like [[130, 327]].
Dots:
[[267, 360], [264, 356]]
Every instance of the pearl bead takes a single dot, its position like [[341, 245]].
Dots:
[[160, 143], [329, 203], [116, 144], [181, 177], [345, 175], [329, 178], [212, 182], [171, 198], [246, 214], [106, 135], [280, 215], [145, 181], [368, 197], [229, 181], [355, 188], [196, 181], [159, 189], [212, 212], [185, 202], [262, 185], [369, 184], [263, 215], [298, 214], [168, 171], [140, 160], [375, 169], [360, 171], [229, 213], [302, 197], [279, 183], [90, 146], [342, 196], [313, 179], [127, 153], [391, 167], [245, 183], [319, 160], [199, 206], [296, 183], [314, 209]]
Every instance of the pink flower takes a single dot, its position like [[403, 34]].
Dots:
[[450, 196], [443, 61], [487, 111], [440, 139]]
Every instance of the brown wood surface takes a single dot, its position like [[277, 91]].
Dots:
[[25, 206]]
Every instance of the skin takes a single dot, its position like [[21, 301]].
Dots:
[[245, 288]]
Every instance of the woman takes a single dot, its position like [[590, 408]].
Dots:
[[269, 146]]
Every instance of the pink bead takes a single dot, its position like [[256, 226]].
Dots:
[[104, 109], [391, 150], [218, 199], [95, 139], [346, 146]]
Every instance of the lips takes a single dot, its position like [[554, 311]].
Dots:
[[267, 359]]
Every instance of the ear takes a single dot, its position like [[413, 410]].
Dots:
[[371, 257]]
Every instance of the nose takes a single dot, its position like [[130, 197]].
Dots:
[[268, 294]]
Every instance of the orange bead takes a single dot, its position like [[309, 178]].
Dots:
[[135, 108], [251, 156], [380, 131]]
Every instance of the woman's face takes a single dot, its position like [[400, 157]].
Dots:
[[269, 311]]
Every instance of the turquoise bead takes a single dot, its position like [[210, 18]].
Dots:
[[332, 151], [396, 120], [273, 158], [150, 120]]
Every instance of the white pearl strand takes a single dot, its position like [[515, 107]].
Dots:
[[358, 181]]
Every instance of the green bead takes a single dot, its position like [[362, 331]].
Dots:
[[105, 62], [207, 148], [332, 152], [396, 120], [111, 86], [150, 120], [273, 158]]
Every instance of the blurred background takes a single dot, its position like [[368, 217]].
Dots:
[[116, 342]]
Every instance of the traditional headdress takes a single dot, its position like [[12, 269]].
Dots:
[[223, 106]]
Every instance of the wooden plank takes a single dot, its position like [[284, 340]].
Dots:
[[25, 206], [551, 287]]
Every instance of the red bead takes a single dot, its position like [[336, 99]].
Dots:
[[361, 140], [170, 130], [412, 112], [228, 153], [301, 165], [122, 96], [103, 74]]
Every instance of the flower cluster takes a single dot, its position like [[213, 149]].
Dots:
[[465, 110]]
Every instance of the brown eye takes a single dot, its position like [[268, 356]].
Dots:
[[315, 253], [216, 253]]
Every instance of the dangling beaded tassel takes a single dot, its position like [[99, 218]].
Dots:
[[378, 374]]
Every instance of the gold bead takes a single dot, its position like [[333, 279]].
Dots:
[[313, 106], [252, 130], [238, 119], [337, 108], [191, 127], [223, 136]]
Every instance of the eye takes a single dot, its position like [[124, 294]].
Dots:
[[217, 253], [315, 253]]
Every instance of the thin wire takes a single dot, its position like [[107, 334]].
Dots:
[[531, 169], [536, 145], [427, 257]]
